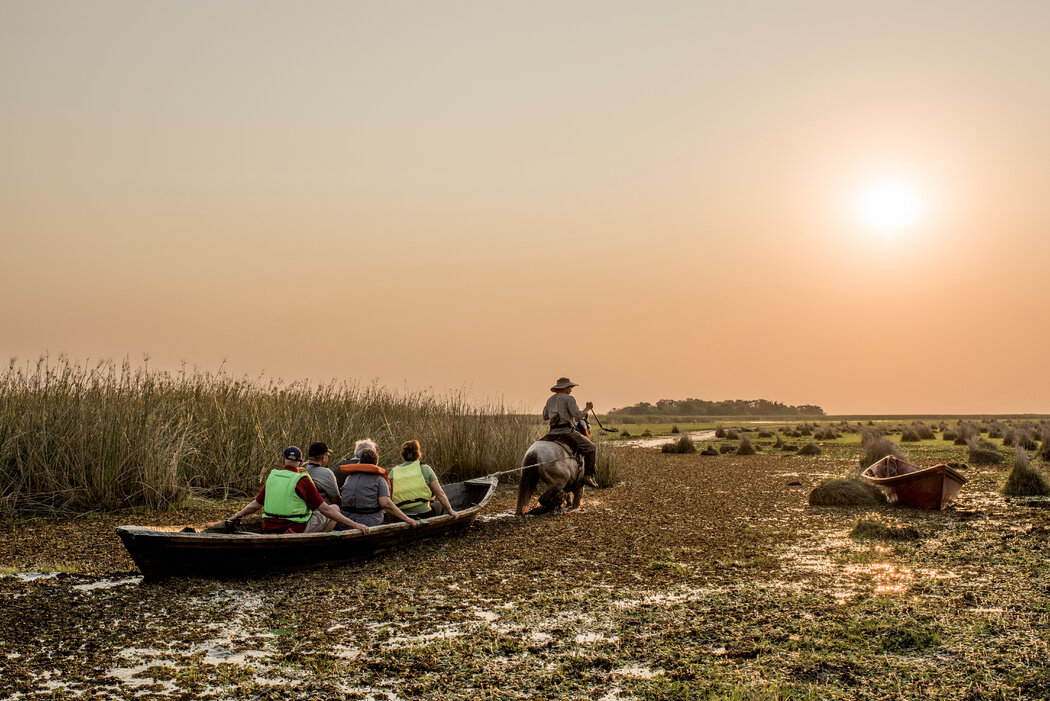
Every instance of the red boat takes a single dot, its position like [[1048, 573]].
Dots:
[[908, 485]]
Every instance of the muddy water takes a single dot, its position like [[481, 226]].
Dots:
[[656, 442]]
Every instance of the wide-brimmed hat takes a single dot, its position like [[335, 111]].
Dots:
[[563, 383]]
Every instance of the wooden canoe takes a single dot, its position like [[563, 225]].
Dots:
[[908, 485], [170, 552]]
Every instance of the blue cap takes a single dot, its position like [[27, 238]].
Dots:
[[293, 453]]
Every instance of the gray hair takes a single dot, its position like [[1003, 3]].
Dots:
[[363, 445]]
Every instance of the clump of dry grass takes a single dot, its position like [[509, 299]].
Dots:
[[1024, 480], [1044, 449], [908, 435], [733, 434], [964, 431], [875, 529], [675, 429], [846, 492], [625, 433], [684, 444], [924, 432], [876, 448], [826, 434], [727, 448], [984, 453], [810, 448], [746, 447], [709, 450], [720, 432], [606, 467], [779, 442]]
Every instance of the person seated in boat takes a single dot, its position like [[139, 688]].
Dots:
[[316, 466], [359, 447], [415, 486], [562, 413], [366, 492], [289, 498]]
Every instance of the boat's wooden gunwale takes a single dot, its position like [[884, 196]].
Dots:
[[167, 553]]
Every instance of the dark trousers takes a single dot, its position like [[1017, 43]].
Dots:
[[583, 446]]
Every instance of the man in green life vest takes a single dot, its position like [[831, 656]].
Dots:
[[414, 486], [289, 498]]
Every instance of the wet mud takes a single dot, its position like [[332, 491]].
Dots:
[[694, 577]]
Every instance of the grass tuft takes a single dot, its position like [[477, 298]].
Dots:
[[683, 445], [876, 448], [983, 453], [1024, 480], [746, 447], [810, 448], [846, 492], [874, 529]]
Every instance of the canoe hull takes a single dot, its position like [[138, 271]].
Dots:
[[160, 554], [930, 488]]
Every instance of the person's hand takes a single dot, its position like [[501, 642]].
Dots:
[[361, 527], [414, 523], [589, 406], [452, 513]]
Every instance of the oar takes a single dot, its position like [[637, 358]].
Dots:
[[607, 430]]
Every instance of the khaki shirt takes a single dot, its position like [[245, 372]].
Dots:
[[564, 408]]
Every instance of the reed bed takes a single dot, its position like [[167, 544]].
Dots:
[[77, 438]]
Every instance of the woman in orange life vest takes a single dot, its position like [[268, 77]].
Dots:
[[414, 486], [365, 494]]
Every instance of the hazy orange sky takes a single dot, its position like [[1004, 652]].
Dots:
[[659, 200]]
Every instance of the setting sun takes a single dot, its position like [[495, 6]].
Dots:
[[890, 206]]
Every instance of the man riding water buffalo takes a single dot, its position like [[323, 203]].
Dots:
[[563, 413]]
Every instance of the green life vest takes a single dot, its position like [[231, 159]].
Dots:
[[281, 499], [410, 488]]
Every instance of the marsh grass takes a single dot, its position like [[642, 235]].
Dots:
[[75, 438], [684, 444], [746, 447], [983, 453], [876, 448], [607, 467], [840, 491], [810, 448], [1024, 480], [875, 529]]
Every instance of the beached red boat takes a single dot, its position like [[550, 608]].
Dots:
[[908, 485]]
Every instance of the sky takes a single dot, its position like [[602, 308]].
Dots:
[[832, 203]]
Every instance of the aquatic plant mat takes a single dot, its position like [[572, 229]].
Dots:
[[697, 577]]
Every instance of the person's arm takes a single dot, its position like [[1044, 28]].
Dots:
[[391, 508], [333, 512], [574, 409], [435, 487], [249, 509]]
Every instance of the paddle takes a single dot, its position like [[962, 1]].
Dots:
[[607, 430]]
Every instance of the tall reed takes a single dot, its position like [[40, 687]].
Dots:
[[78, 438]]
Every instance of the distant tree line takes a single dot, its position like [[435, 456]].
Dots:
[[726, 407]]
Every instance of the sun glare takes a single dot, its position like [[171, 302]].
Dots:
[[890, 206]]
